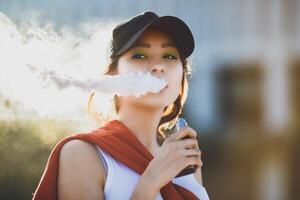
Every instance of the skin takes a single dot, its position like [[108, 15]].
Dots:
[[161, 62], [169, 159]]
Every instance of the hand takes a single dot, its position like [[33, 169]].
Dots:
[[174, 155]]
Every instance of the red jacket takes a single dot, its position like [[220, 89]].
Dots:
[[116, 139]]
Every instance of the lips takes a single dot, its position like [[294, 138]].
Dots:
[[163, 89]]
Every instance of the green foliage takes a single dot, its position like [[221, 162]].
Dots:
[[25, 145]]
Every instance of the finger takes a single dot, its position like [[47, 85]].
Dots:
[[190, 152], [193, 160], [188, 143], [184, 132]]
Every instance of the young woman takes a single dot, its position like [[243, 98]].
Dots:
[[130, 157]]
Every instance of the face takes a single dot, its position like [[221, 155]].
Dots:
[[153, 52]]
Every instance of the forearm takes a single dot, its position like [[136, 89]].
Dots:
[[144, 189]]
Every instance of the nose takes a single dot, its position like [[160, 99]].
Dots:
[[157, 69]]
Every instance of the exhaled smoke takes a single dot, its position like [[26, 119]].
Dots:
[[49, 52], [134, 83], [30, 50]]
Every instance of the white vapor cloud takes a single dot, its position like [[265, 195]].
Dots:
[[80, 54]]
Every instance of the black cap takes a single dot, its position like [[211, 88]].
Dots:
[[125, 34]]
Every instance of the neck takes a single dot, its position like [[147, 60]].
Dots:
[[143, 123]]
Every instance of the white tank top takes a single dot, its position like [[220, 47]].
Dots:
[[114, 189]]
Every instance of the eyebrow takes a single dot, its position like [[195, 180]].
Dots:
[[146, 45]]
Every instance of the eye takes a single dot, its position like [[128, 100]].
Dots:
[[139, 56], [170, 56]]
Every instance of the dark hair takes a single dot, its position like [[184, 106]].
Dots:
[[171, 112]]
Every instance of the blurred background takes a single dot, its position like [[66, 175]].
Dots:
[[244, 96]]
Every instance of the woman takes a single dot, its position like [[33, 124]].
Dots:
[[130, 157]]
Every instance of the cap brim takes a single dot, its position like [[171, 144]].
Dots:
[[174, 27]]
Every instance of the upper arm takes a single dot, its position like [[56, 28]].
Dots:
[[81, 172]]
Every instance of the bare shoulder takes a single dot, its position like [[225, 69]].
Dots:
[[81, 174]]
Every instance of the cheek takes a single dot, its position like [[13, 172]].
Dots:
[[176, 77], [124, 66]]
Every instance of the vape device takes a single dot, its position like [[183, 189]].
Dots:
[[181, 122]]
